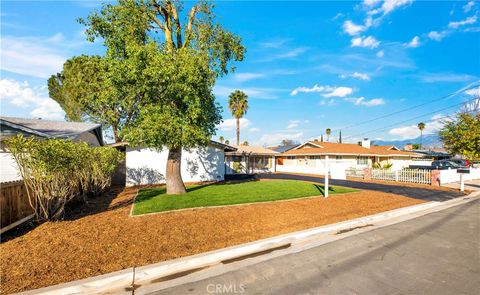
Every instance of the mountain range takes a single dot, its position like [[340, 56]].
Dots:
[[429, 141]]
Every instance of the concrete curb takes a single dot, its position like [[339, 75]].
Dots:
[[123, 281]]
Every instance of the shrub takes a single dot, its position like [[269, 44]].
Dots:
[[55, 171], [385, 166]]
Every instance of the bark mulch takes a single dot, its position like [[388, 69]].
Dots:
[[101, 237]]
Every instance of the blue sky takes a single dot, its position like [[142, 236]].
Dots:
[[309, 65]]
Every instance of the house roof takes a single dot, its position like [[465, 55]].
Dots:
[[252, 150], [226, 147], [53, 129], [331, 148], [283, 148]]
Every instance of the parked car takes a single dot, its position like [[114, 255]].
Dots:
[[461, 162], [445, 164]]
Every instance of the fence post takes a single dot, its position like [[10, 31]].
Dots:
[[367, 173], [435, 177], [396, 175]]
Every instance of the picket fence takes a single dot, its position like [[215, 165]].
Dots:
[[404, 175]]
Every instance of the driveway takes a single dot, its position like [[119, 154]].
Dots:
[[434, 254], [412, 192]]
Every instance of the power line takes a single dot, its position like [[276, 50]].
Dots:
[[411, 119], [468, 87]]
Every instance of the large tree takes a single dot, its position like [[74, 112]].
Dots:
[[166, 61], [238, 105], [462, 135]]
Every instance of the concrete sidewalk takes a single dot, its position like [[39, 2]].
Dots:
[[434, 254]]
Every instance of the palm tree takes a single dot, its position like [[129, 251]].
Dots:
[[328, 132], [238, 105], [421, 126], [221, 138]]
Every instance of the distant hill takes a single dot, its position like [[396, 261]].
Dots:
[[429, 141]]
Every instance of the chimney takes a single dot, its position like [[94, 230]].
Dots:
[[366, 143]]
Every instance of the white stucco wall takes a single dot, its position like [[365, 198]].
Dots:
[[8, 168], [148, 166]]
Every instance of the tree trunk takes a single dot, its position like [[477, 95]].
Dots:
[[238, 131], [175, 185]]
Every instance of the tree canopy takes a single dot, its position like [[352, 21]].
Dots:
[[462, 135]]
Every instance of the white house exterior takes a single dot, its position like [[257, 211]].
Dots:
[[148, 166], [10, 126]]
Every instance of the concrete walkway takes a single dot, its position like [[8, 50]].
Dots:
[[394, 188], [434, 254]]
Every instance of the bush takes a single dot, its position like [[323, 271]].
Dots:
[[385, 166], [55, 171]]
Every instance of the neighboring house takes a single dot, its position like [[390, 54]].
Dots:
[[75, 131], [250, 159], [433, 154], [310, 157], [148, 166]]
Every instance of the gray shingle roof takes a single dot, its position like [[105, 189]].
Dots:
[[47, 128]]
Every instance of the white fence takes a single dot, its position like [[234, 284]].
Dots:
[[451, 175], [404, 175]]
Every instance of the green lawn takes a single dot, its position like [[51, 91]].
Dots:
[[155, 200]]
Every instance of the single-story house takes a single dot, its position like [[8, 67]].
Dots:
[[10, 126], [310, 157], [147, 166], [250, 159]]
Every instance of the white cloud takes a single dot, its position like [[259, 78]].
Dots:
[[328, 91], [252, 92], [292, 125], [473, 91], [291, 53], [412, 131], [274, 43], [254, 129], [467, 21], [361, 101], [467, 7], [437, 36], [371, 2], [390, 5], [242, 77], [339, 92], [315, 88], [380, 54], [270, 139], [415, 42], [352, 29], [231, 124], [367, 42], [23, 96], [357, 75], [445, 77], [30, 56]]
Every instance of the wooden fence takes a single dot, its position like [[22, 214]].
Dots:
[[14, 205], [404, 175]]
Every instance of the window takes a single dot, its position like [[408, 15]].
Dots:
[[362, 160], [315, 157], [338, 157]]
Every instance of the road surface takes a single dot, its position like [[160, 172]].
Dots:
[[438, 253]]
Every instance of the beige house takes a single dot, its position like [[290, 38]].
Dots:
[[250, 159], [311, 156]]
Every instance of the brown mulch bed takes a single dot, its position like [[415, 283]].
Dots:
[[101, 237]]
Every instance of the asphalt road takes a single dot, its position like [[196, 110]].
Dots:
[[438, 253]]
